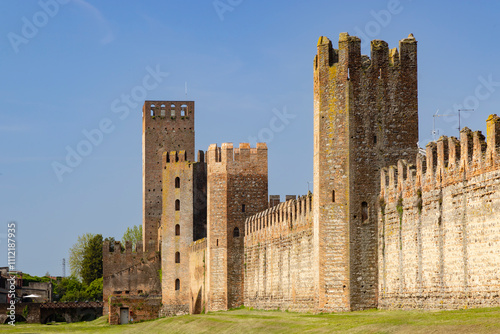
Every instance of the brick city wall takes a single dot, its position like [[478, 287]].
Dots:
[[166, 126], [129, 273], [365, 118], [279, 257], [439, 225], [197, 271]]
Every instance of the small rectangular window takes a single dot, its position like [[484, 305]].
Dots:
[[364, 211]]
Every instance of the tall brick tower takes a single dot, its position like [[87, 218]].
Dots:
[[166, 126], [365, 118], [237, 189], [183, 221]]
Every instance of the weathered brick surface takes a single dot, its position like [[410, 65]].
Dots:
[[279, 257], [439, 225], [365, 117], [184, 213], [237, 189], [140, 308], [166, 126], [129, 273], [197, 271]]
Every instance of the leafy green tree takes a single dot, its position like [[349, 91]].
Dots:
[[67, 286], [71, 289], [76, 254], [91, 266], [133, 234], [75, 296], [94, 290]]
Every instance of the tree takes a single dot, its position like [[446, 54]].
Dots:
[[94, 290], [133, 234], [66, 287], [76, 254], [91, 266], [71, 289]]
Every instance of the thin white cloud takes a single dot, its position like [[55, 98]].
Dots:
[[98, 16]]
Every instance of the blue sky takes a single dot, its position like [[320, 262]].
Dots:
[[244, 62]]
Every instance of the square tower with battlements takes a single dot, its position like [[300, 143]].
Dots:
[[237, 188], [365, 117], [166, 126], [183, 221]]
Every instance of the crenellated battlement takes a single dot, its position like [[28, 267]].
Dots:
[[244, 153], [116, 247], [279, 220], [181, 156], [115, 260], [446, 161], [381, 57]]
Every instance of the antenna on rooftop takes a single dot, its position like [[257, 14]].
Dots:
[[308, 182], [434, 131], [459, 110]]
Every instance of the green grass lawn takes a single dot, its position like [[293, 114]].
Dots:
[[252, 321]]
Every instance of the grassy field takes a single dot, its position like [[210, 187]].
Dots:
[[252, 321]]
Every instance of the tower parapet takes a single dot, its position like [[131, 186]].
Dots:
[[351, 62]]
